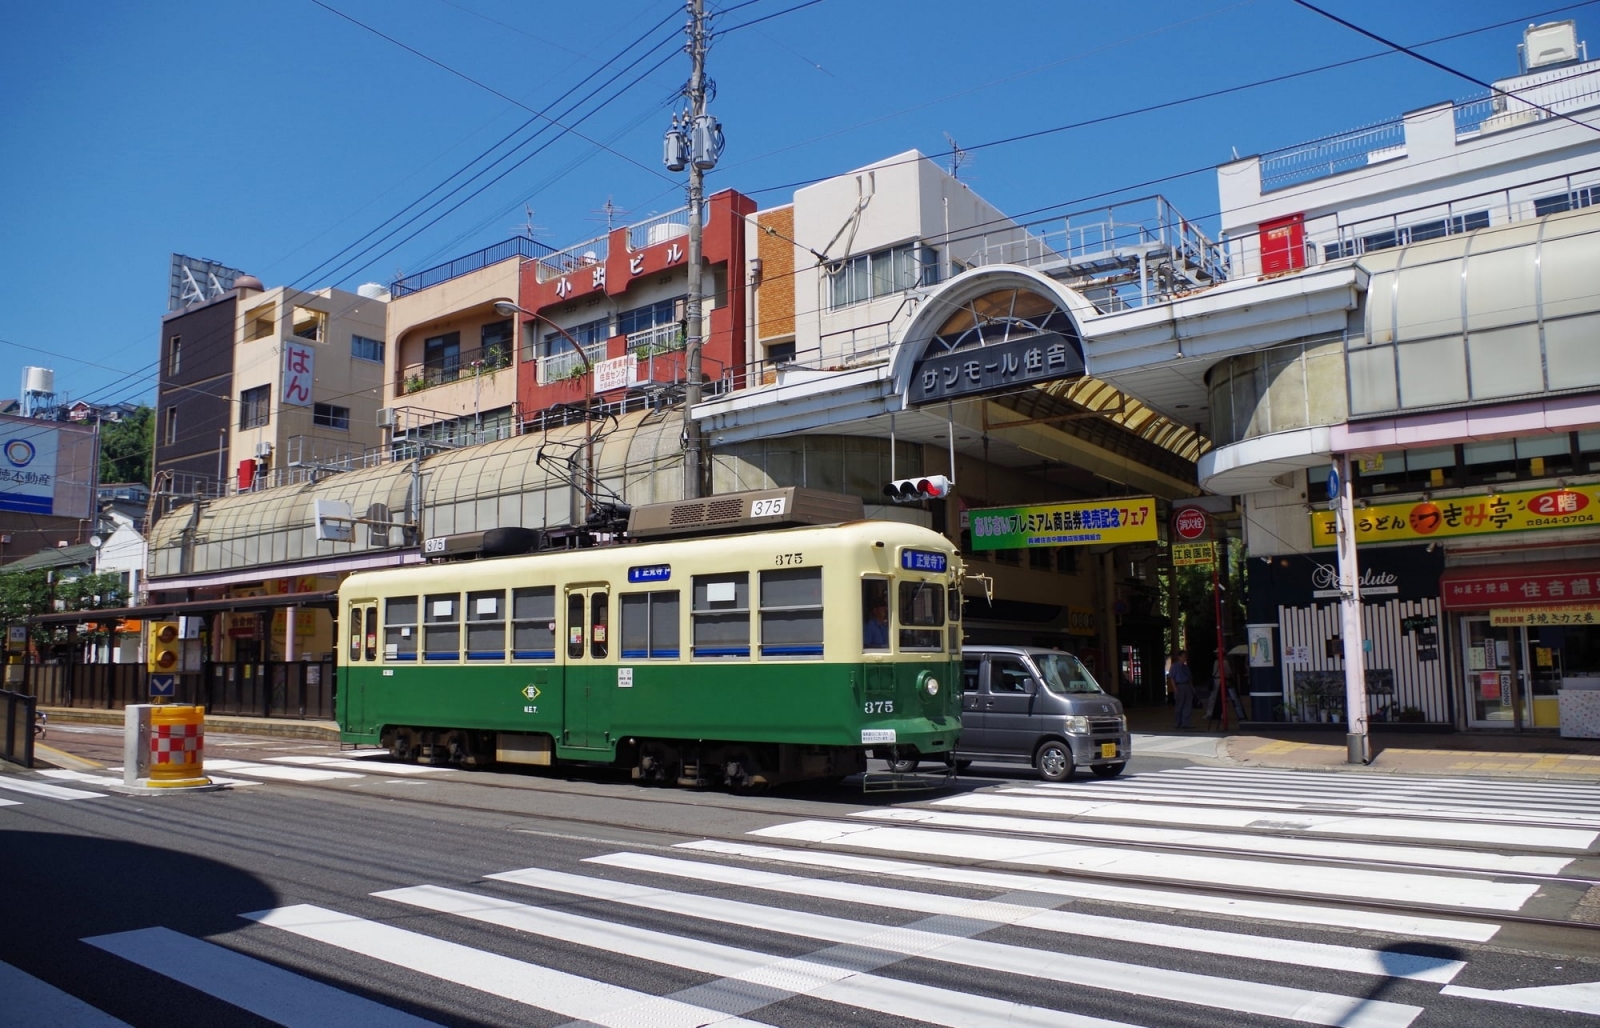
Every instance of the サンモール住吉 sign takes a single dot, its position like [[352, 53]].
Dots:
[[1488, 514], [1127, 520]]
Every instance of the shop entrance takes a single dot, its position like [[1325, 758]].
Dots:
[[1494, 663]]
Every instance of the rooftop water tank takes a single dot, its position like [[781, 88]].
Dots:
[[38, 380]]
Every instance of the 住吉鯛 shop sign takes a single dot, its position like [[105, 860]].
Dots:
[[1525, 510], [1126, 520], [1529, 585]]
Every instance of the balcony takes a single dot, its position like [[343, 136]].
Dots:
[[417, 377], [516, 246], [581, 257], [559, 367]]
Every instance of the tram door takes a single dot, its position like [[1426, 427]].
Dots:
[[589, 679]]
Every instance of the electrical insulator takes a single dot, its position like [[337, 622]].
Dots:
[[705, 142], [674, 148]]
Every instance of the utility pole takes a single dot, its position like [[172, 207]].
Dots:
[[1341, 497], [695, 141]]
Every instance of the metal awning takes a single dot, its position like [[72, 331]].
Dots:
[[328, 600]]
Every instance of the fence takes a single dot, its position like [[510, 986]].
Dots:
[[271, 689]]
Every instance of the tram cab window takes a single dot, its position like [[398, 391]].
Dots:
[[372, 633], [791, 612], [650, 624], [921, 610], [533, 623], [486, 625], [599, 616], [875, 614], [400, 628], [441, 627], [355, 634], [721, 612]]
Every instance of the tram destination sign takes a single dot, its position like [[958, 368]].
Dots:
[[1125, 520], [922, 560], [995, 367]]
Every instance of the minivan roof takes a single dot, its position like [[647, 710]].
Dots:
[[1002, 648]]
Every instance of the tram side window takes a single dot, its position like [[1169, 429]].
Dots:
[[533, 623], [791, 613], [875, 614], [400, 628], [921, 615], [372, 633], [650, 625], [355, 634], [575, 625], [954, 631], [441, 629], [599, 617], [486, 625], [721, 610]]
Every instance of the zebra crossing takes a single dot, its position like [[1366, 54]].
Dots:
[[835, 911]]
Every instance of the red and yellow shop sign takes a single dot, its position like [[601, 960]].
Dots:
[[1566, 614], [1489, 514]]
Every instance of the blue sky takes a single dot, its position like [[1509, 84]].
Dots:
[[272, 136]]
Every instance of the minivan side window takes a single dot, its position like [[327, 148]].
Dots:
[[1009, 676], [969, 675]]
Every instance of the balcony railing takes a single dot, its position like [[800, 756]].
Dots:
[[559, 367], [450, 369], [516, 246], [658, 230], [582, 257], [660, 339], [1347, 151]]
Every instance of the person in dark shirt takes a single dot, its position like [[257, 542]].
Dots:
[[1182, 682], [875, 633]]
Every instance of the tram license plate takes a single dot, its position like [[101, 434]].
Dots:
[[1108, 749]]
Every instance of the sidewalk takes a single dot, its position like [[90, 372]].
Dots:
[[1535, 755], [1530, 754]]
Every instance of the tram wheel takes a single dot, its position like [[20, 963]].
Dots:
[[903, 762]]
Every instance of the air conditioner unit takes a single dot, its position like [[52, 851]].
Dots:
[[263, 449], [385, 417]]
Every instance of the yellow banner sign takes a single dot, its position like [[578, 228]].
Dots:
[[1567, 614], [1525, 510], [1127, 520], [1080, 620], [1193, 555]]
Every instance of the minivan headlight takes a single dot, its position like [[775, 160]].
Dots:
[[1077, 724]]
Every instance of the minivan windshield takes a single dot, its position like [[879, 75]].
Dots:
[[1063, 673]]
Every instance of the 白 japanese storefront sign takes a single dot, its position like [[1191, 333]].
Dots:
[[1488, 514], [1568, 614], [1504, 586], [1127, 520]]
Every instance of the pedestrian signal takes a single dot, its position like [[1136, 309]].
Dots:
[[161, 650], [915, 490]]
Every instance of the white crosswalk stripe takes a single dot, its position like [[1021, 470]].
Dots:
[[366, 766], [44, 790], [279, 772], [30, 1003]]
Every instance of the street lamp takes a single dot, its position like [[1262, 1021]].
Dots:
[[507, 308]]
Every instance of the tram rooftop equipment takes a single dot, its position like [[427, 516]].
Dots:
[[725, 513]]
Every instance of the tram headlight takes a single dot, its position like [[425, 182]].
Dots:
[[932, 686]]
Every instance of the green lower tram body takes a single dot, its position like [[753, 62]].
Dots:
[[706, 723]]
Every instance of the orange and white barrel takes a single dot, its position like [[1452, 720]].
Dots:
[[177, 746]]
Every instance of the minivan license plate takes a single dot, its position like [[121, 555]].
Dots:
[[1108, 749]]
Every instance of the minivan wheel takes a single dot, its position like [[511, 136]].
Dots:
[[1107, 770], [1054, 761]]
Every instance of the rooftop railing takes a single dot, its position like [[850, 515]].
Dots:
[[1347, 151], [516, 246], [574, 258]]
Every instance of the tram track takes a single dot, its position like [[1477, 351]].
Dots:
[[596, 828]]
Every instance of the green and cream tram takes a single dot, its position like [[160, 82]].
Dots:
[[744, 658]]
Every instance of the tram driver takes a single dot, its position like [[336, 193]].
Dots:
[[875, 601]]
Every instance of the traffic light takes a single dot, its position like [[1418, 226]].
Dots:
[[161, 647], [915, 490]]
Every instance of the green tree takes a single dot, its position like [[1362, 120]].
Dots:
[[91, 591], [126, 446], [22, 595]]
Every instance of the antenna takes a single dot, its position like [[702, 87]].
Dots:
[[958, 156], [528, 228], [611, 212]]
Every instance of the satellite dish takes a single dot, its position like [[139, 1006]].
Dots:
[[96, 541]]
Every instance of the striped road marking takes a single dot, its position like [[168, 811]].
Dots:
[[1263, 819], [347, 764], [1316, 880], [1445, 929], [277, 772], [1140, 835], [1144, 933], [749, 979], [1229, 994], [570, 995], [30, 1003], [261, 988], [45, 790]]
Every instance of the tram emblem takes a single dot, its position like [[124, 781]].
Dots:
[[531, 691]]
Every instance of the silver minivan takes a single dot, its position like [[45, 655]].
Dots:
[[1041, 706]]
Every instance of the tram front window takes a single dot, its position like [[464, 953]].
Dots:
[[875, 614], [921, 616]]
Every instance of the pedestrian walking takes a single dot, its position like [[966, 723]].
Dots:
[[1181, 682]]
